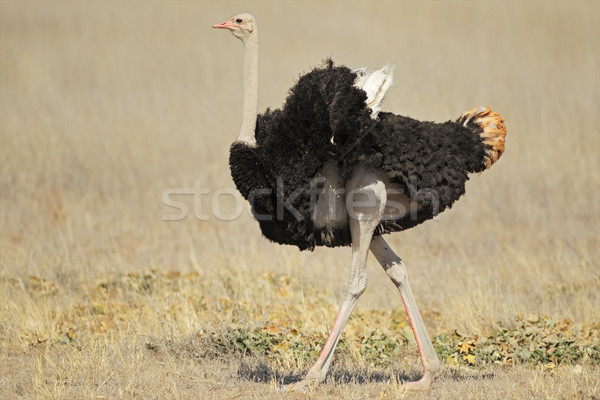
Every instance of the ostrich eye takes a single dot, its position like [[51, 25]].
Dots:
[[238, 21]]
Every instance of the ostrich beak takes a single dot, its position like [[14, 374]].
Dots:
[[225, 24]]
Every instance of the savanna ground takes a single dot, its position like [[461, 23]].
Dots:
[[105, 106]]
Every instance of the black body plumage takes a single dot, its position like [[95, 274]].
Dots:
[[325, 119]]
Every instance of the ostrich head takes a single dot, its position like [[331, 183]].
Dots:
[[242, 26]]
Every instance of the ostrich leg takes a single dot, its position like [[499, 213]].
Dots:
[[365, 202], [396, 270]]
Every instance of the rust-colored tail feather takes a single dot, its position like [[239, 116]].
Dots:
[[490, 126]]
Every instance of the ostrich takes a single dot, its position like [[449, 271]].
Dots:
[[330, 169]]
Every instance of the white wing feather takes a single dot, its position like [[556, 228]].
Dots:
[[375, 84]]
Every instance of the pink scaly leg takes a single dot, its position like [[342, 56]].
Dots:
[[355, 287], [396, 270], [365, 203]]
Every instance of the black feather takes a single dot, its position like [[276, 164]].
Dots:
[[325, 118]]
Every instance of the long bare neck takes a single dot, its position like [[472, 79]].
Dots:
[[250, 90]]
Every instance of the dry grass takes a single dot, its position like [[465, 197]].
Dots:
[[105, 106]]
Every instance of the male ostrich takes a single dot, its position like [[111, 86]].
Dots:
[[326, 171]]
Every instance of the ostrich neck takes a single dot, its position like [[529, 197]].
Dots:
[[250, 90]]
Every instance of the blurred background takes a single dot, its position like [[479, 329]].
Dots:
[[105, 105]]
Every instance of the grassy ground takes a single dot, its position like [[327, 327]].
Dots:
[[105, 106]]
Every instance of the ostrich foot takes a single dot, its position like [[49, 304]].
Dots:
[[314, 377], [422, 384], [302, 386], [306, 384]]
